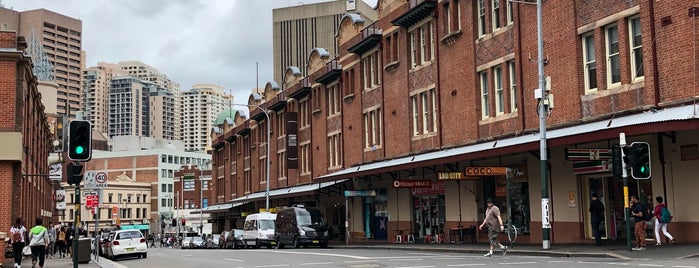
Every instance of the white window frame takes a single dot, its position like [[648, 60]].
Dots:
[[635, 48], [510, 12], [588, 61], [433, 95], [513, 84], [304, 111], [305, 158], [413, 50], [485, 105], [457, 5], [447, 13], [423, 44], [499, 93], [372, 128], [495, 14], [415, 112], [610, 55], [430, 24], [481, 18], [333, 98], [281, 166], [335, 150], [425, 112]]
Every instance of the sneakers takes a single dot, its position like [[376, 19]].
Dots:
[[658, 244], [489, 254], [638, 248], [504, 250]]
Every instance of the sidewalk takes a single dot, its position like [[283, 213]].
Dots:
[[609, 250], [64, 263]]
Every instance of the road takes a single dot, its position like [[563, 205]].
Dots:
[[367, 258]]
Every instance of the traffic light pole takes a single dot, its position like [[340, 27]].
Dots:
[[625, 178], [77, 227]]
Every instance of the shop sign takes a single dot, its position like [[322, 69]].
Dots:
[[450, 176], [436, 188], [360, 193], [586, 167], [588, 154], [485, 171], [412, 184]]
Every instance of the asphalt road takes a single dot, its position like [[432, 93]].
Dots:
[[367, 258]]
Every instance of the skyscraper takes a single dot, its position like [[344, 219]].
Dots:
[[200, 107], [61, 37], [96, 82]]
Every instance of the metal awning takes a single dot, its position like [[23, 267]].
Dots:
[[289, 191], [222, 207], [682, 113]]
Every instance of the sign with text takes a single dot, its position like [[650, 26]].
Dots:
[[450, 176], [360, 193], [92, 201], [412, 184], [485, 171]]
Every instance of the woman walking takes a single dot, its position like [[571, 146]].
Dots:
[[658, 212], [38, 238], [17, 235]]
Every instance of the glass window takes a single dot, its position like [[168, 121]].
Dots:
[[513, 85], [636, 47], [496, 14], [590, 63], [481, 18], [613, 67], [485, 106], [499, 94]]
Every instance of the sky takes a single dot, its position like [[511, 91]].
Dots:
[[191, 41]]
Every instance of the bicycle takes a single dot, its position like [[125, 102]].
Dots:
[[511, 231]]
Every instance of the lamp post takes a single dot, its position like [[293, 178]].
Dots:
[[269, 129]]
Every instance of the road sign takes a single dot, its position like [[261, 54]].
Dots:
[[95, 179], [92, 201], [101, 179], [89, 178]]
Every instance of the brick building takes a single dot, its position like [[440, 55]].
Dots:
[[193, 194], [25, 140], [434, 88]]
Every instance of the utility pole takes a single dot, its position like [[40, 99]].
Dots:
[[625, 177], [542, 95]]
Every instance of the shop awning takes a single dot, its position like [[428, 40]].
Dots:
[[222, 207], [663, 120], [288, 192]]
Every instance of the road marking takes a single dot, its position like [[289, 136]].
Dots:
[[233, 260], [416, 266], [317, 253], [560, 261], [361, 261], [187, 255], [682, 266], [317, 263], [272, 265], [650, 265], [589, 262], [616, 263], [517, 263], [469, 264], [405, 259]]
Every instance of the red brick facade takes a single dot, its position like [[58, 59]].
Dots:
[[25, 189]]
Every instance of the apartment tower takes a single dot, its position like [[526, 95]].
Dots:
[[61, 37], [96, 82], [200, 107], [300, 29]]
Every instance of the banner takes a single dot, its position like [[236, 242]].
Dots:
[[60, 199]]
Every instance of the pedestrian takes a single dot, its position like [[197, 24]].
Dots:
[[637, 210], [17, 237], [38, 238], [662, 218], [52, 240], [596, 217], [494, 222], [61, 241], [70, 235]]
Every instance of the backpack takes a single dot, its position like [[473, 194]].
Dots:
[[16, 236], [647, 214], [665, 215], [61, 236]]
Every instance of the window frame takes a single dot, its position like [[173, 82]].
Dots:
[[611, 56], [589, 61], [633, 48], [499, 91], [511, 70], [485, 105], [495, 14], [481, 18]]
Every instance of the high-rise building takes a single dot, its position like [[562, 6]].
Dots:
[[300, 29], [126, 113], [96, 82], [200, 107], [61, 37]]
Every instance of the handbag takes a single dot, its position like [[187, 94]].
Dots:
[[27, 251], [8, 252]]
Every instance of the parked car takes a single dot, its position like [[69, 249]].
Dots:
[[212, 241], [187, 242], [127, 243], [300, 226], [104, 242], [258, 230], [198, 242], [234, 239]]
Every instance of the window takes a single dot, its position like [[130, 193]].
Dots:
[[305, 158], [394, 49], [281, 157], [513, 85], [281, 125], [333, 100], [496, 14], [457, 14], [138, 214], [145, 211], [370, 67], [613, 68], [335, 150], [481, 18], [485, 109], [424, 112], [423, 45], [413, 50], [109, 196], [447, 17], [510, 16], [589, 62], [304, 113], [636, 47], [372, 128], [425, 36], [499, 94], [413, 101], [163, 202], [163, 188]]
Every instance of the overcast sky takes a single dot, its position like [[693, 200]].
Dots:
[[191, 41]]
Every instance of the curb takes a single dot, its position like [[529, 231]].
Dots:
[[509, 252], [106, 263]]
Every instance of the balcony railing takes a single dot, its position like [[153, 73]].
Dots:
[[418, 10], [370, 38], [333, 69]]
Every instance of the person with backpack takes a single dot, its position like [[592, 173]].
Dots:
[[662, 218], [639, 214], [17, 237], [38, 239], [61, 241]]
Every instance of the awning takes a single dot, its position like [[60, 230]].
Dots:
[[222, 207], [289, 191], [682, 113], [136, 227]]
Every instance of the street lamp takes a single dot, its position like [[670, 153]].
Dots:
[[269, 129]]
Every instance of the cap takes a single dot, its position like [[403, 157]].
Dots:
[[489, 200]]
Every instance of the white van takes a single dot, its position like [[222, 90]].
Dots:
[[259, 230]]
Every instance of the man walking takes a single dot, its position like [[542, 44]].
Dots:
[[38, 238], [637, 210], [494, 222], [596, 217], [662, 217]]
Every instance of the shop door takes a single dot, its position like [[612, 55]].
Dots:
[[429, 214]]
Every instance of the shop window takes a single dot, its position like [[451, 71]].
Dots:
[[496, 187]]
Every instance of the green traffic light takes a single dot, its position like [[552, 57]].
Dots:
[[79, 150], [643, 169]]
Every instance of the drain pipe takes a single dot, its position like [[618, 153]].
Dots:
[[654, 54]]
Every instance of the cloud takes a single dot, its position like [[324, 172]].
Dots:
[[191, 41]]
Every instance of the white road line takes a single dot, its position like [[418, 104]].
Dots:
[[233, 260], [468, 264], [517, 263], [617, 263], [317, 263], [416, 266], [272, 265], [589, 262], [683, 266], [187, 255], [316, 253], [560, 261], [361, 261], [650, 265], [405, 259]]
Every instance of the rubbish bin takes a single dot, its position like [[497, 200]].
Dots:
[[84, 249]]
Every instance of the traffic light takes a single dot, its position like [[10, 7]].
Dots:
[[640, 167], [75, 174], [174, 222], [79, 140]]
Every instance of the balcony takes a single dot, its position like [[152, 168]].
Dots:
[[418, 10], [244, 128], [257, 114], [333, 69], [370, 37], [304, 90], [279, 102]]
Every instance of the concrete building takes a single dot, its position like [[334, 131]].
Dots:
[[148, 73], [61, 37], [200, 107], [156, 167], [299, 29], [127, 95], [25, 139], [97, 81], [427, 107]]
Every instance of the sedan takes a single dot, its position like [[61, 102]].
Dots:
[[127, 242], [198, 242], [187, 242]]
